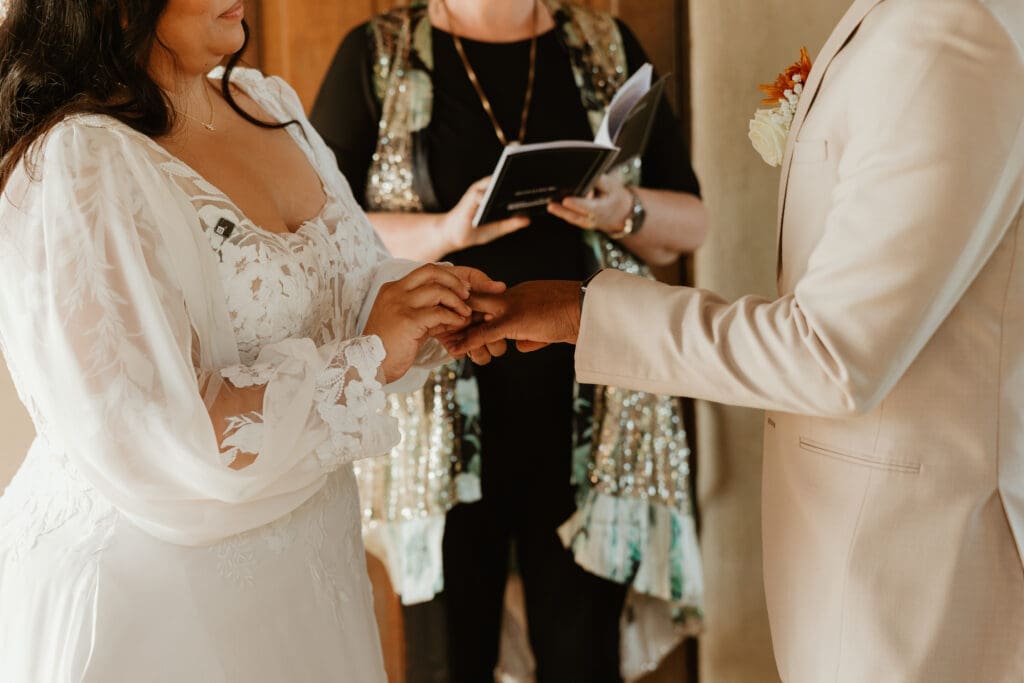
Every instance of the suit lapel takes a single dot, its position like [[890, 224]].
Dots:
[[846, 27]]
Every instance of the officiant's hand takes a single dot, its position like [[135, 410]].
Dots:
[[457, 224], [534, 314], [429, 301], [606, 209]]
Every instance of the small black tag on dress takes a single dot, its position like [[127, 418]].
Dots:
[[224, 228]]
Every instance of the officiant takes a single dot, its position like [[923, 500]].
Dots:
[[514, 459]]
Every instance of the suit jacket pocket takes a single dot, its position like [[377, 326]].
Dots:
[[900, 467], [810, 151]]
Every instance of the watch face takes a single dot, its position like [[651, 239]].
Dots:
[[639, 213]]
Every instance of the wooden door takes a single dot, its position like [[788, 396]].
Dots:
[[299, 39]]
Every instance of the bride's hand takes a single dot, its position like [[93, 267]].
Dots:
[[457, 224], [426, 302]]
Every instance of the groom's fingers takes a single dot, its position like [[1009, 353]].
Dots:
[[485, 354], [450, 339], [497, 348], [477, 336], [528, 346], [480, 356], [490, 305]]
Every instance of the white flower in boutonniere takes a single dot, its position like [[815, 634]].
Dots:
[[769, 129]]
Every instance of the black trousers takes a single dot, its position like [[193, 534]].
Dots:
[[572, 615]]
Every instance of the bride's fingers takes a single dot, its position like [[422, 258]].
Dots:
[[446, 276], [434, 295], [479, 281], [442, 332], [430, 318]]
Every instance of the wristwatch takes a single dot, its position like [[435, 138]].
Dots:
[[634, 221]]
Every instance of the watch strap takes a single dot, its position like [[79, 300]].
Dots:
[[585, 284], [634, 221]]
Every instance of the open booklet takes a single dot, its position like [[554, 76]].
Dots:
[[527, 177]]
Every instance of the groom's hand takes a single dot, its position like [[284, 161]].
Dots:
[[534, 314]]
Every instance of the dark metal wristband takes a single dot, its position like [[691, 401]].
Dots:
[[584, 285]]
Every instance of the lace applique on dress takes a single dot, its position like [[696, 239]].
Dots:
[[303, 532], [47, 494], [351, 401]]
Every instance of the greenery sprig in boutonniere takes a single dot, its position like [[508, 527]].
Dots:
[[769, 129]]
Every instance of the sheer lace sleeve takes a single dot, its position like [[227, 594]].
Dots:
[[99, 338]]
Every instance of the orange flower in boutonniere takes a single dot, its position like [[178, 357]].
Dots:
[[792, 79], [769, 129]]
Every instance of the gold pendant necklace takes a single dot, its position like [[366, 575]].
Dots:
[[208, 126], [471, 73]]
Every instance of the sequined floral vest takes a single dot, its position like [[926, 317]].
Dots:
[[630, 448]]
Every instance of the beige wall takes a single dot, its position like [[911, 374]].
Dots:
[[15, 429], [736, 45]]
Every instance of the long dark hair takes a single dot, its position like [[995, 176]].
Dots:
[[64, 57]]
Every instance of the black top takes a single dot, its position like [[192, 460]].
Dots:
[[525, 400]]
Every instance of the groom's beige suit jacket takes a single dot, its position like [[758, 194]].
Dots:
[[892, 363]]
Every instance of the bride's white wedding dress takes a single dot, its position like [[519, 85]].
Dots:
[[129, 550]]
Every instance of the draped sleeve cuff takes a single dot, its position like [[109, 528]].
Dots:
[[348, 420]]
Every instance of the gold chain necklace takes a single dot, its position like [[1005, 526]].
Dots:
[[476, 81], [208, 126]]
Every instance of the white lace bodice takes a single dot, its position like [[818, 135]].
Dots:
[[127, 280], [306, 284]]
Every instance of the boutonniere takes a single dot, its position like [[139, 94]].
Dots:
[[769, 129]]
